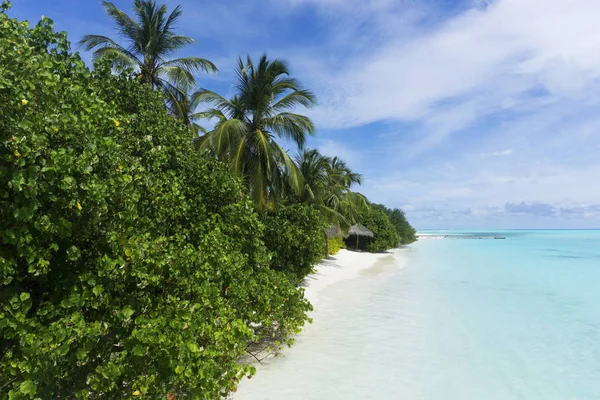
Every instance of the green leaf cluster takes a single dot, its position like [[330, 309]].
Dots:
[[129, 264], [385, 235], [407, 233], [295, 234], [335, 244]]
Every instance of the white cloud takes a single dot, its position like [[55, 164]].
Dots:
[[522, 77], [494, 54], [498, 153], [490, 106]]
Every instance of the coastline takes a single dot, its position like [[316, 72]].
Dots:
[[344, 265], [344, 270]]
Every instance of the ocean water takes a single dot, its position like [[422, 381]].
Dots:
[[459, 320]]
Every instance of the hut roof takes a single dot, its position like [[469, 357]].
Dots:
[[333, 232], [359, 230]]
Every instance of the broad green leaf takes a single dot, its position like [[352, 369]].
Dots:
[[128, 311], [28, 387]]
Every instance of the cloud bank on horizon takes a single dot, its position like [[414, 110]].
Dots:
[[467, 114]]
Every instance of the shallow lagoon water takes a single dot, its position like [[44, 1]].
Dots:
[[459, 320]]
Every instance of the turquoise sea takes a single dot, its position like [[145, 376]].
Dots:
[[459, 320]]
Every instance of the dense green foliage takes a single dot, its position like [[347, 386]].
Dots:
[[296, 236], [407, 233], [385, 235], [129, 266]]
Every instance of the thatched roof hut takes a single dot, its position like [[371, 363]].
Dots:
[[359, 231]]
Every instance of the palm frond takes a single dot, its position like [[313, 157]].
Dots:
[[209, 114], [292, 100], [172, 19], [119, 58], [292, 173], [126, 26], [226, 136], [178, 76], [214, 99], [105, 46], [291, 126], [192, 64]]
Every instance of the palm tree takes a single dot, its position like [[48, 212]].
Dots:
[[150, 41], [261, 110], [326, 186], [315, 169], [342, 174]]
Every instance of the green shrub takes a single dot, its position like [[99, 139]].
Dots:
[[385, 236], [129, 265], [398, 219], [335, 244], [295, 234]]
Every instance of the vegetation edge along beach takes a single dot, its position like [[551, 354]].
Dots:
[[140, 253]]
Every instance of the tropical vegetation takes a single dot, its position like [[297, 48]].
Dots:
[[397, 217], [294, 234], [385, 235], [150, 40], [247, 124], [135, 261], [326, 184], [335, 244]]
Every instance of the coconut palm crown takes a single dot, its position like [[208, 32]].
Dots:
[[261, 110], [149, 42], [326, 186]]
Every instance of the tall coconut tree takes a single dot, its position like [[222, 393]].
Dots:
[[148, 42], [249, 124]]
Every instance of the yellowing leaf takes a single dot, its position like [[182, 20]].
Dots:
[[24, 101], [137, 393], [193, 347], [78, 206]]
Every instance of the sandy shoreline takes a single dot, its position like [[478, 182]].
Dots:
[[345, 265]]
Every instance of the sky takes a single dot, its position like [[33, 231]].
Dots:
[[467, 114]]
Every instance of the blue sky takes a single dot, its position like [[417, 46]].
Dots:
[[467, 114]]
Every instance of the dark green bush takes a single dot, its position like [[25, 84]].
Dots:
[[129, 265], [398, 219], [385, 236], [295, 234]]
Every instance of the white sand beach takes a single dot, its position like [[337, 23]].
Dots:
[[344, 265], [329, 275]]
